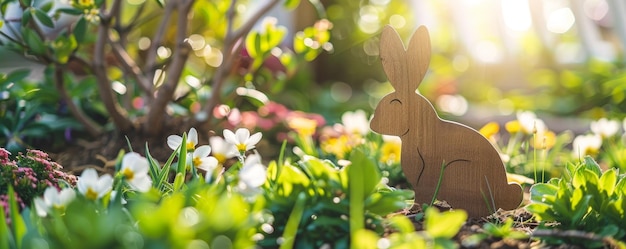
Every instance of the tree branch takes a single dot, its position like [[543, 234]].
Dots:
[[118, 115], [150, 65], [92, 127], [230, 50], [131, 68], [165, 93]]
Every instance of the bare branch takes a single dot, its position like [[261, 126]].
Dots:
[[174, 71], [156, 41], [118, 115], [131, 68], [230, 50]]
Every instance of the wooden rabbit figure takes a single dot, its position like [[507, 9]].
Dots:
[[474, 177]]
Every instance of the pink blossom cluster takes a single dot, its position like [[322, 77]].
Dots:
[[270, 117], [29, 175]]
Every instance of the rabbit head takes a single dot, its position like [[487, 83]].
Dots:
[[405, 69]]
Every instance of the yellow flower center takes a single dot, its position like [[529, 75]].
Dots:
[[128, 174], [85, 3], [91, 194], [242, 147], [190, 146], [196, 161], [221, 158]]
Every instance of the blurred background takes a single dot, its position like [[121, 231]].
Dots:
[[491, 58]]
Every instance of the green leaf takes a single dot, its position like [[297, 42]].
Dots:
[[5, 233], [291, 4], [365, 168], [28, 3], [539, 191], [365, 239], [592, 165], [47, 6], [34, 42], [70, 11], [26, 16], [44, 18], [402, 223], [18, 227], [16, 76], [80, 29], [608, 181], [443, 225], [291, 228]]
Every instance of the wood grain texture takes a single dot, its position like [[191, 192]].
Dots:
[[474, 178]]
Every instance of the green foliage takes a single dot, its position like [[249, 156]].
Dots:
[[503, 230], [439, 231], [329, 191], [583, 199], [30, 113]]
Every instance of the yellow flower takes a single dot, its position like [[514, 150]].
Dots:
[[544, 141], [520, 179], [337, 146], [390, 152], [513, 127], [303, 126], [490, 130]]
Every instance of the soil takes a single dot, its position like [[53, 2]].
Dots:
[[101, 154]]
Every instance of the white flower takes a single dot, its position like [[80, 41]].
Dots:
[[173, 141], [135, 171], [53, 199], [92, 186], [530, 124], [356, 122], [586, 145], [252, 174], [242, 139], [604, 127], [222, 150], [201, 159]]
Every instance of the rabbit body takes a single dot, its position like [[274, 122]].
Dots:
[[474, 177]]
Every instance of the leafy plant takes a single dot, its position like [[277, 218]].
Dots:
[[439, 231], [584, 199], [29, 175], [503, 230], [336, 199]]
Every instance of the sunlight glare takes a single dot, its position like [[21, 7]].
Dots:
[[516, 14], [560, 20], [368, 19], [596, 9], [487, 52], [454, 104]]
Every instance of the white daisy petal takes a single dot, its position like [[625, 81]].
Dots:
[[242, 135], [192, 136], [230, 137], [202, 151], [173, 141]]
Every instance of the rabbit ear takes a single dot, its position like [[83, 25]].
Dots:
[[419, 55], [392, 56]]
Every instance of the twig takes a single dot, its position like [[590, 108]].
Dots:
[[230, 50], [131, 68], [118, 115], [174, 71], [156, 41]]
